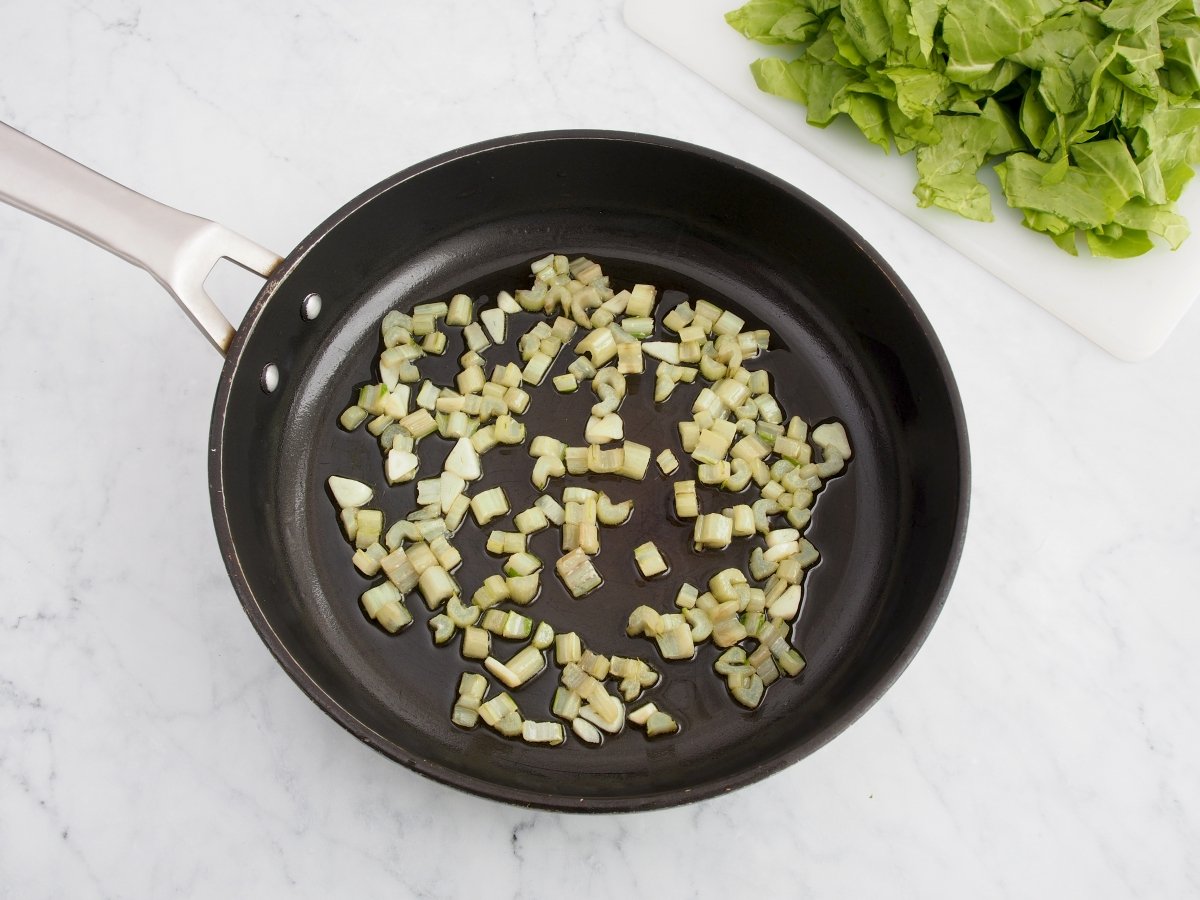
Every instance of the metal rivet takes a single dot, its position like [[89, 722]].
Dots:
[[270, 378], [311, 307]]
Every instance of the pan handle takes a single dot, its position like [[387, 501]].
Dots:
[[178, 249]]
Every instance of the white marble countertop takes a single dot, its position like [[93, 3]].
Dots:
[[1043, 743]]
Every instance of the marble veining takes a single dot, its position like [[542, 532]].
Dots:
[[1041, 744]]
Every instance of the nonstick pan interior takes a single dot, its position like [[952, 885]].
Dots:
[[849, 343]]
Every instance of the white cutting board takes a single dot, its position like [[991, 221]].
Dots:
[[1128, 307]]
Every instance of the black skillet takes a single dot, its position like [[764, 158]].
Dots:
[[850, 342]]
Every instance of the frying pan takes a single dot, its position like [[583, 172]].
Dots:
[[849, 343]]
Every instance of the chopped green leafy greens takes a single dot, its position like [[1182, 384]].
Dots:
[[1090, 111]]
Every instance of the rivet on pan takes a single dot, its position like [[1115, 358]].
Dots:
[[270, 378], [310, 308]]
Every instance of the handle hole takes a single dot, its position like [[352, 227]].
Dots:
[[232, 288], [310, 307], [269, 380]]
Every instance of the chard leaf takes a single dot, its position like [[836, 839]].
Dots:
[[980, 33], [948, 170], [1134, 15], [918, 91], [1035, 119], [795, 27], [1154, 219], [869, 113], [1116, 242], [1110, 168], [775, 76], [1182, 57], [1007, 135], [760, 21], [1176, 178], [846, 46], [1138, 58], [1072, 200], [1154, 188], [925, 16], [868, 27]]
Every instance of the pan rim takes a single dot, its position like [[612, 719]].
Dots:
[[451, 777]]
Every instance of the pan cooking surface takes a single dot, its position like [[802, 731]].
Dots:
[[847, 344]]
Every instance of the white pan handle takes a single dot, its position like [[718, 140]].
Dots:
[[176, 248]]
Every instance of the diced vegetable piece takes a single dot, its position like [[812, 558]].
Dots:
[[543, 636], [586, 731], [537, 367], [713, 531], [494, 590], [511, 725], [667, 462], [522, 563], [393, 616], [604, 462], [686, 597], [463, 461], [505, 543], [489, 505], [472, 688], [676, 641], [641, 300], [369, 528], [644, 620], [594, 664], [348, 493], [640, 715], [552, 509], [636, 461], [600, 346], [610, 513], [629, 359], [463, 716], [508, 430], [523, 589], [686, 503], [476, 643], [566, 703], [567, 648], [582, 369], [503, 673], [749, 691], [367, 561], [443, 628], [666, 351], [603, 710], [497, 708], [649, 560], [436, 586], [542, 733], [510, 624], [527, 663], [602, 429], [495, 321], [530, 521], [831, 438], [578, 573], [352, 417], [459, 310], [660, 723], [375, 598]]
